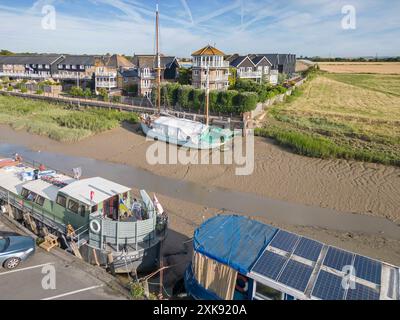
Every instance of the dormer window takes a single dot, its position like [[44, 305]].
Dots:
[[67, 66]]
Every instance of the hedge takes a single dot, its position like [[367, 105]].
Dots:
[[245, 98]]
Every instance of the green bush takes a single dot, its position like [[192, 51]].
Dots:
[[264, 91], [1, 87], [197, 97], [24, 90], [103, 94], [116, 99], [76, 92], [10, 88], [226, 101], [183, 96], [87, 93], [39, 91], [213, 101], [246, 101]]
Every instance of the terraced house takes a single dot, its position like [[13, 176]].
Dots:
[[85, 70]]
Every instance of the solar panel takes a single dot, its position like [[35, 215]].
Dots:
[[328, 286], [296, 275], [337, 259], [362, 292], [308, 249], [284, 241], [368, 269], [270, 264]]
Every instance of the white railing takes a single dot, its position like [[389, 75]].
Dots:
[[249, 74], [150, 75], [45, 76], [25, 75], [106, 74], [204, 64], [106, 84]]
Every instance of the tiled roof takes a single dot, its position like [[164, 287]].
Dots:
[[149, 61], [208, 51], [239, 60], [30, 59]]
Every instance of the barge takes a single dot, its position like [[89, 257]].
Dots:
[[98, 220], [236, 258]]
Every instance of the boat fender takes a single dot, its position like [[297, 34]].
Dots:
[[95, 226], [242, 284]]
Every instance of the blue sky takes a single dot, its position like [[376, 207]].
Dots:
[[304, 27]]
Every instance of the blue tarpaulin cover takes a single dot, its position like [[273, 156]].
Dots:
[[233, 240]]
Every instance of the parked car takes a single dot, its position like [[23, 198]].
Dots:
[[15, 248]]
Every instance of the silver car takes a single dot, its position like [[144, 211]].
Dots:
[[14, 249]]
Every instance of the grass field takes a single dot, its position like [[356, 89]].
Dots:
[[340, 115], [361, 67], [58, 122]]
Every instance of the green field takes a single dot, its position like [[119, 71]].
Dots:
[[347, 116], [58, 122]]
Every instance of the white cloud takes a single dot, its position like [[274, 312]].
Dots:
[[310, 27]]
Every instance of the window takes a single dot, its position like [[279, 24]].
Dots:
[[82, 210], [40, 201], [31, 196], [59, 66], [61, 200], [24, 193], [47, 66], [264, 292], [94, 209], [73, 206], [67, 66], [82, 67]]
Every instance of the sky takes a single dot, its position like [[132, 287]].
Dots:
[[303, 27]]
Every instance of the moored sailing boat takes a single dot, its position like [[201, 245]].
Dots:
[[178, 131]]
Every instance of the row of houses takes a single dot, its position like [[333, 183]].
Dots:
[[115, 72], [98, 71]]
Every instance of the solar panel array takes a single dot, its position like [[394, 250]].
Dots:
[[291, 260]]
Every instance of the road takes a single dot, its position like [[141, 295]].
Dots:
[[71, 282]]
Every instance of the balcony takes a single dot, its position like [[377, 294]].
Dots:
[[106, 74], [224, 64], [249, 74], [106, 84], [25, 75]]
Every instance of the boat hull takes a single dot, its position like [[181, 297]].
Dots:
[[151, 134]]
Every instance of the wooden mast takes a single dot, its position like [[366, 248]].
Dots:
[[207, 95], [158, 63]]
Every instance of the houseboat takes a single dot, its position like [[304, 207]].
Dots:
[[236, 258], [101, 219]]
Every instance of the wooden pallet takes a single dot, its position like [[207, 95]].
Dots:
[[50, 241]]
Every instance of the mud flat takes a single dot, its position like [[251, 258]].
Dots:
[[288, 179], [344, 186]]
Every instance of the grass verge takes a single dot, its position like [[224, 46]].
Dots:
[[59, 122]]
